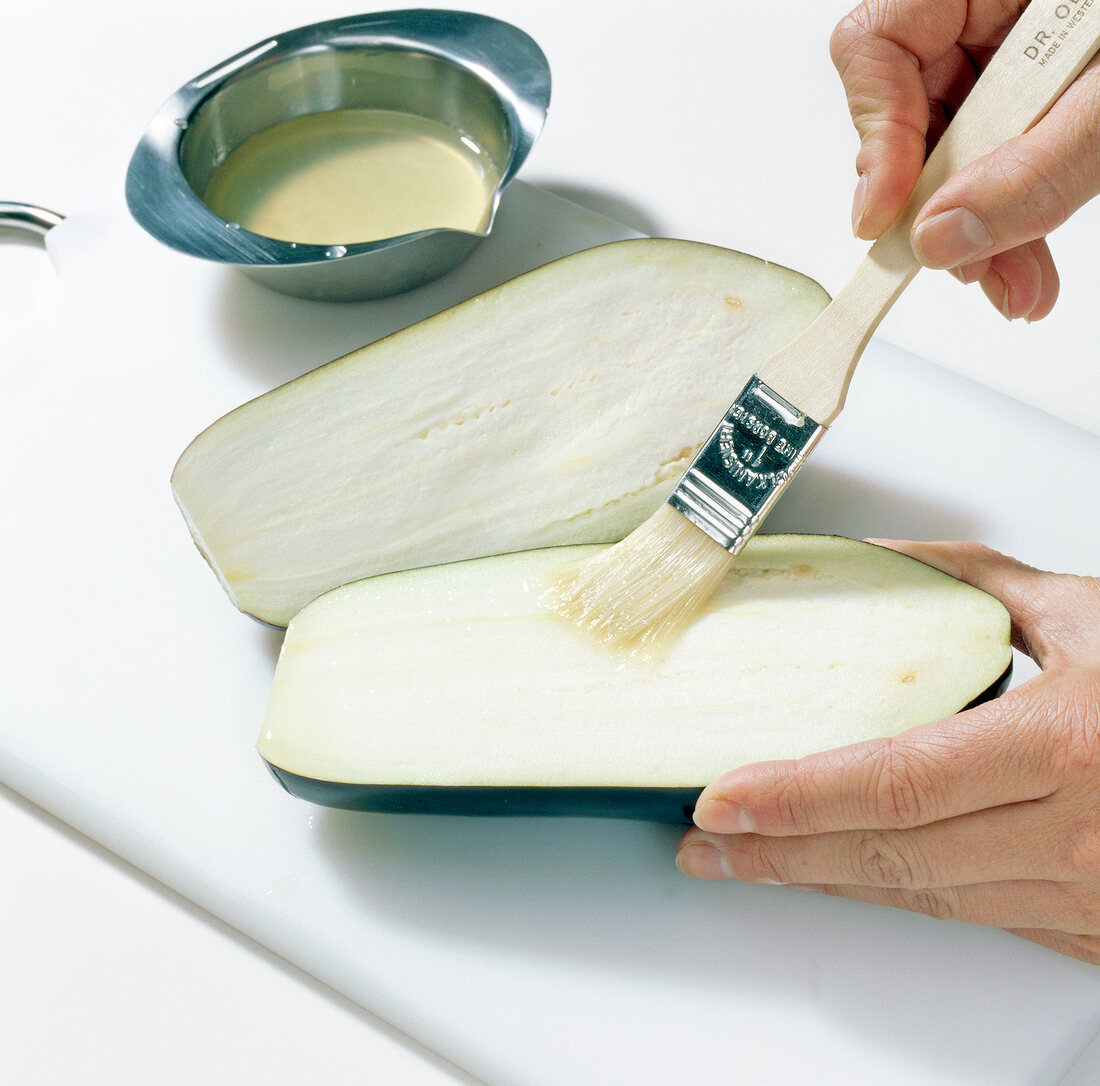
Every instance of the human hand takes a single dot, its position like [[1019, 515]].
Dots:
[[991, 816], [906, 66]]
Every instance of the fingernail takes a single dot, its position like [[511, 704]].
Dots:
[[724, 816], [965, 273], [703, 861], [859, 203], [950, 238], [998, 292]]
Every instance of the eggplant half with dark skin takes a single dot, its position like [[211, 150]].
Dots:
[[454, 689], [556, 408]]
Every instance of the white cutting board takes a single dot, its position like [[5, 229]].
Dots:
[[536, 952]]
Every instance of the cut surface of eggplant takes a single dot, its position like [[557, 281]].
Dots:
[[557, 408], [453, 688]]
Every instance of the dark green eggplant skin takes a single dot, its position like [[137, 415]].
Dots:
[[642, 804], [991, 692]]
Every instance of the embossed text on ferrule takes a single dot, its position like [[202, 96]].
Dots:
[[745, 464], [743, 461], [748, 423], [761, 440]]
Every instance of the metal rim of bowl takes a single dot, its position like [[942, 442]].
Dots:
[[163, 202], [30, 218]]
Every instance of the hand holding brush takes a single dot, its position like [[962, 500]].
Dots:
[[644, 589]]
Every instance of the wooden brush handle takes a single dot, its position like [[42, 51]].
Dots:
[[1044, 52]]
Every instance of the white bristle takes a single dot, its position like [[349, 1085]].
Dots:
[[639, 593]]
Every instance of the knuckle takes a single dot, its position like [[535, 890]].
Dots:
[[848, 34], [1040, 186], [1057, 614], [939, 904], [974, 556], [791, 804], [1071, 718], [754, 859], [839, 42], [904, 789], [867, 60], [879, 860], [1081, 854], [1027, 744]]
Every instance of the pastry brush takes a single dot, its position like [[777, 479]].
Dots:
[[644, 589]]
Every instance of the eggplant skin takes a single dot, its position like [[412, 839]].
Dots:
[[643, 804], [557, 408], [529, 801], [811, 643]]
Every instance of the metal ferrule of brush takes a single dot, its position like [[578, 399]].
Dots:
[[745, 465]]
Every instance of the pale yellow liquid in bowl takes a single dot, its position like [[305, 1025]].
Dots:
[[354, 175]]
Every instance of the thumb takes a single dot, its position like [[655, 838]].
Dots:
[[1055, 616], [1021, 191]]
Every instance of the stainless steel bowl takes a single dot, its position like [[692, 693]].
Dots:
[[479, 76], [29, 218]]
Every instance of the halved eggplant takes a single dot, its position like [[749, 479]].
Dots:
[[557, 408], [453, 689]]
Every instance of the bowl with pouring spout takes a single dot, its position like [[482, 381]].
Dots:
[[349, 159]]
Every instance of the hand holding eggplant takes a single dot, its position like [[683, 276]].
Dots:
[[991, 816], [906, 67]]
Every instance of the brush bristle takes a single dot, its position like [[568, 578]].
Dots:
[[640, 593]]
